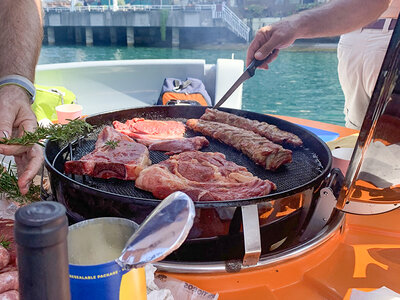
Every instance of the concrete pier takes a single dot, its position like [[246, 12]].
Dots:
[[78, 35], [130, 36], [89, 36], [142, 25], [51, 37], [113, 35], [175, 37], [70, 34]]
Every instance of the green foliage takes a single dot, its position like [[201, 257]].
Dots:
[[256, 11]]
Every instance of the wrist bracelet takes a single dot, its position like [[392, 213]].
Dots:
[[20, 81]]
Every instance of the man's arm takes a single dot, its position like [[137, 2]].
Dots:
[[20, 37], [331, 19], [20, 42]]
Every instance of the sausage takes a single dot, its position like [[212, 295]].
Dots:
[[7, 232], [10, 295], [8, 281], [4, 257], [8, 268]]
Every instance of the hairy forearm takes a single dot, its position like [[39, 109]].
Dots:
[[21, 36], [337, 17]]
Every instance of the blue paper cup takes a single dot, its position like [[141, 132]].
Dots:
[[93, 246]]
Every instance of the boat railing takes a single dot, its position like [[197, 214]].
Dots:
[[239, 27], [218, 11], [103, 8]]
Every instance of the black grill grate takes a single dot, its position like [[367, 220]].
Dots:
[[305, 167]]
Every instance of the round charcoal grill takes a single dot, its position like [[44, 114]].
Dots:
[[215, 236]]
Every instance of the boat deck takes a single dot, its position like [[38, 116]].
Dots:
[[364, 254]]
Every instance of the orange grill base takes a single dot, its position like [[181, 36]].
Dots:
[[364, 255]]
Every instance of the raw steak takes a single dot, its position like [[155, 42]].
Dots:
[[204, 176], [139, 128], [176, 146], [115, 156]]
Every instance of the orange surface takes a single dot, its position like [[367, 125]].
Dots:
[[343, 131], [364, 255]]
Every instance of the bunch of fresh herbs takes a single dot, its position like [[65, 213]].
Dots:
[[56, 132], [112, 144], [9, 186], [6, 243]]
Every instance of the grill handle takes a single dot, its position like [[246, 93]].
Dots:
[[251, 234]]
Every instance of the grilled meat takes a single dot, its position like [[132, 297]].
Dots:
[[264, 129], [261, 150]]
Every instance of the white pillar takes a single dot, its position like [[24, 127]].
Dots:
[[51, 37], [175, 37], [113, 35], [89, 36], [115, 5], [73, 3], [130, 36]]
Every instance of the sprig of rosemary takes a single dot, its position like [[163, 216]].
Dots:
[[112, 144], [56, 132], [9, 186], [5, 242]]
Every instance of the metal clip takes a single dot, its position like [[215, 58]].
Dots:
[[325, 206], [251, 233]]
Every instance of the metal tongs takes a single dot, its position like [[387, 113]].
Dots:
[[248, 73]]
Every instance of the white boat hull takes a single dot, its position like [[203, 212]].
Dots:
[[110, 85]]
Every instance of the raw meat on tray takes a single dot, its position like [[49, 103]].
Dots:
[[115, 156], [204, 176], [176, 146], [139, 128]]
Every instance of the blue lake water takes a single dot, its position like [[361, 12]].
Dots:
[[299, 83]]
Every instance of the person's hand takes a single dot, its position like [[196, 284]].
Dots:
[[269, 39], [16, 116]]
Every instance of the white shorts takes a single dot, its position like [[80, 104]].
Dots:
[[360, 54]]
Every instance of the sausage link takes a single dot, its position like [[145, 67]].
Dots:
[[4, 257], [10, 295], [8, 281]]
